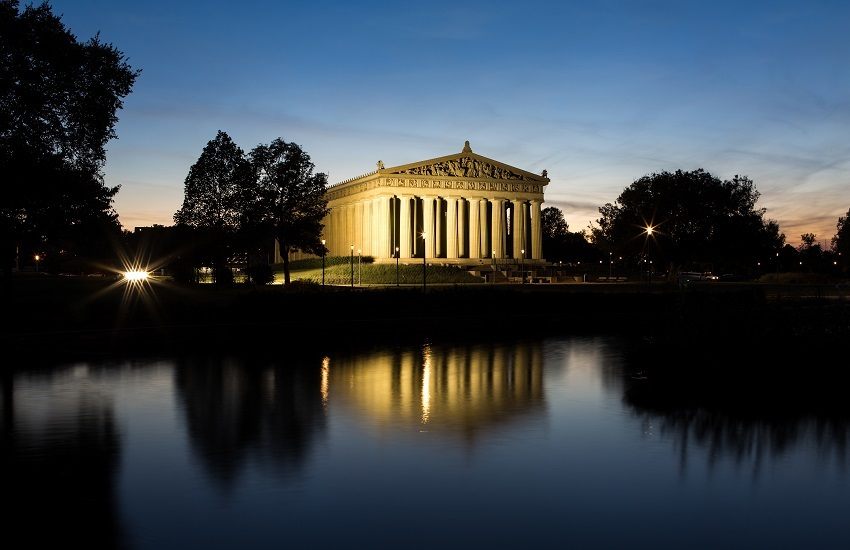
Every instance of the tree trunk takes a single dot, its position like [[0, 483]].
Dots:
[[284, 254]]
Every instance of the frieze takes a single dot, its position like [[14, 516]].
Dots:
[[424, 183]]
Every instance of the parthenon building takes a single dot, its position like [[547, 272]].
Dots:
[[460, 208]]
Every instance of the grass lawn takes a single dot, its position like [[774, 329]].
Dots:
[[380, 274]]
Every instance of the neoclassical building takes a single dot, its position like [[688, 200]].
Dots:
[[460, 208]]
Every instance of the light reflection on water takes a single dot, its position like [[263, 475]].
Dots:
[[505, 444]]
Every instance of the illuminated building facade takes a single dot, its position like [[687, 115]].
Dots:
[[460, 208]]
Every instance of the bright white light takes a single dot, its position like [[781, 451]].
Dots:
[[136, 276]]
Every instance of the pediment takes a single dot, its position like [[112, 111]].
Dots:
[[466, 165]]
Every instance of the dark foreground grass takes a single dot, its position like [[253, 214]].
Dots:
[[44, 315]]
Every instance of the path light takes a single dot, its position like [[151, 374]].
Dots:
[[37, 259], [396, 266]]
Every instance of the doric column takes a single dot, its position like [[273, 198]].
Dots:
[[428, 225], [366, 241], [498, 228], [485, 234], [386, 227], [461, 228], [438, 227], [474, 229], [376, 227], [536, 231], [518, 223], [451, 228], [404, 233], [358, 226], [349, 227]]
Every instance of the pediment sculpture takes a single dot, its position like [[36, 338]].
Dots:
[[465, 167]]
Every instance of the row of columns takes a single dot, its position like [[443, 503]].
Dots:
[[378, 225]]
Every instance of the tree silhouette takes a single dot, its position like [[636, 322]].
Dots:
[[288, 198], [698, 220], [213, 195], [558, 242], [58, 104], [841, 240]]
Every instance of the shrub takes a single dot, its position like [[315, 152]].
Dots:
[[261, 274], [224, 276]]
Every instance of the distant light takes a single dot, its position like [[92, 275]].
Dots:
[[649, 230], [37, 257], [136, 276], [323, 242]]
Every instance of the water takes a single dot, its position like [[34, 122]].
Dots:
[[556, 442]]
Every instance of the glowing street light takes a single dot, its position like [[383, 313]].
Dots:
[[396, 267], [136, 276], [323, 262], [37, 259], [493, 255]]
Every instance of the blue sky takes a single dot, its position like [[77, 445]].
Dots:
[[599, 93]]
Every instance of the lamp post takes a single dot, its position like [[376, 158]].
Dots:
[[396, 267], [493, 255], [37, 258], [424, 265], [323, 262], [359, 272], [352, 266], [521, 267], [610, 266]]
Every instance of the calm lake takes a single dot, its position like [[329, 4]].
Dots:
[[562, 442]]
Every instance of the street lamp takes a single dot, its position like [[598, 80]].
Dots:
[[323, 262], [396, 266], [424, 265], [359, 273], [37, 258], [610, 265], [352, 266], [493, 255], [521, 269]]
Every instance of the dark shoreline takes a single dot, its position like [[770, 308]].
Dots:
[[56, 318]]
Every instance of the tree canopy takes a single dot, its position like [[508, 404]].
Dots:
[[240, 202], [288, 197], [697, 221], [59, 99], [559, 243], [841, 240], [215, 187]]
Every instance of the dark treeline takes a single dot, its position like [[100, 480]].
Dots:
[[238, 205], [59, 99]]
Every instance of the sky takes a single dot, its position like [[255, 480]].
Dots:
[[598, 93]]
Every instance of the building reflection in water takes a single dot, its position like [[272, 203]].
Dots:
[[240, 411], [448, 389], [59, 454]]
